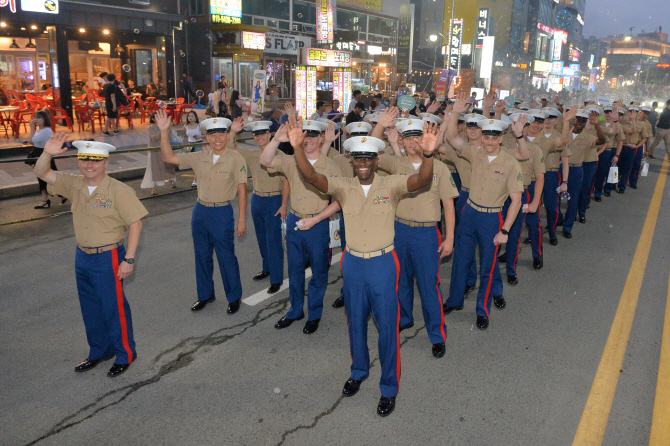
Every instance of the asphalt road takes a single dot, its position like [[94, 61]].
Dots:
[[211, 378]]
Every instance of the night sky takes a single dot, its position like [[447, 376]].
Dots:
[[606, 17]]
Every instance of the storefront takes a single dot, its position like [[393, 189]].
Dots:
[[541, 70], [279, 59], [329, 63]]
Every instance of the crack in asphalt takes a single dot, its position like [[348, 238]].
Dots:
[[337, 402], [182, 360]]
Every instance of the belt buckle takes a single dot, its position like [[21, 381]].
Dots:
[[366, 255]]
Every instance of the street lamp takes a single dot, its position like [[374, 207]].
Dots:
[[433, 38]]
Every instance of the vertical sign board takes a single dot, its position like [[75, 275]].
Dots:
[[483, 26], [325, 21], [405, 38], [301, 90], [258, 89], [455, 42], [486, 66], [310, 95], [342, 85]]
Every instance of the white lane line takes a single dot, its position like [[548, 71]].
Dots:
[[262, 295]]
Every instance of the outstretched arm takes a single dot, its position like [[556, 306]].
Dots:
[[297, 137], [385, 121], [236, 127], [53, 147], [517, 128], [453, 137], [428, 144], [565, 134], [267, 157], [164, 123]]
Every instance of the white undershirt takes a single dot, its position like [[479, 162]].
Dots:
[[366, 188], [574, 135], [91, 189], [607, 124], [416, 165], [313, 162], [491, 158], [548, 136], [215, 158], [531, 138]]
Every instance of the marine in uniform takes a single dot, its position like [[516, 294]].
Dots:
[[305, 242], [418, 241], [103, 210], [645, 138], [269, 201], [589, 166], [222, 175], [632, 131], [496, 175], [370, 265], [610, 156]]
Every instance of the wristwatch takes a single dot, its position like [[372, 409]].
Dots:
[[129, 261], [429, 155], [519, 137], [565, 182], [504, 232]]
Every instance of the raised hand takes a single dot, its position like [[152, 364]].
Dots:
[[594, 118], [237, 125], [331, 134], [295, 134], [461, 106], [518, 125], [393, 135], [570, 114], [428, 142], [489, 99], [281, 134], [55, 144], [163, 121], [433, 107], [289, 108], [386, 119], [500, 106], [557, 100]]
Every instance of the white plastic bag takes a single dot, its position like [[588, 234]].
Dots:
[[335, 240], [613, 176], [283, 232], [644, 170]]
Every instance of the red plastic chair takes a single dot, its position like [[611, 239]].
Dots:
[[85, 113], [21, 117], [58, 113], [4, 125], [127, 112]]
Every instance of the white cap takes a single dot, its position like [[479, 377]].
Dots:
[[623, 111], [364, 146], [538, 114], [430, 117], [646, 109], [258, 127], [544, 98], [492, 126], [635, 107], [372, 117], [471, 119], [93, 150], [313, 128], [515, 116], [461, 117], [358, 128], [410, 127], [596, 108], [324, 121], [607, 108], [552, 112], [216, 125], [586, 114], [504, 118]]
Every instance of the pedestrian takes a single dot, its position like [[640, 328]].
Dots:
[[589, 166], [370, 265], [194, 135], [275, 116], [334, 114], [40, 134], [219, 101], [645, 138], [633, 131], [222, 175], [269, 201], [158, 172], [235, 104], [111, 106], [662, 130], [188, 87], [320, 110], [355, 114], [653, 119], [496, 175], [307, 227], [103, 211], [151, 91], [355, 98]]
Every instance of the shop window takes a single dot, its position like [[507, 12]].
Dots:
[[143, 67], [351, 21], [198, 7], [7, 72], [381, 26], [276, 9], [304, 12]]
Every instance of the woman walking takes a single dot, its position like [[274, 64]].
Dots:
[[194, 135]]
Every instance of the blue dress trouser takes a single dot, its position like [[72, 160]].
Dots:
[[476, 228], [514, 237], [371, 286], [625, 165], [213, 229], [576, 176], [589, 169], [459, 205], [602, 172], [107, 318], [303, 246], [534, 222], [417, 253], [268, 234], [635, 169], [343, 239], [552, 201]]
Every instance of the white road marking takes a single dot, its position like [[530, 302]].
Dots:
[[262, 295]]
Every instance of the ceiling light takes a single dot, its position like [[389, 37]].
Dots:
[[33, 27], [22, 28], [3, 24], [13, 45], [30, 44], [82, 30], [105, 31]]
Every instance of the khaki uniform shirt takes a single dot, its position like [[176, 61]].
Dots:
[[305, 198], [633, 137], [102, 218], [263, 181], [217, 182], [463, 166], [332, 152], [370, 220], [552, 155], [344, 163], [580, 146], [492, 183], [612, 139], [533, 165], [646, 130], [443, 158], [422, 205], [592, 152]]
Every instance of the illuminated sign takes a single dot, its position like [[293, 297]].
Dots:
[[305, 91], [245, 58], [591, 61], [487, 57], [325, 23], [567, 71], [575, 55], [253, 41], [350, 46], [523, 66], [369, 5], [546, 29], [542, 67], [226, 11], [575, 67], [10, 3], [342, 85], [455, 42], [580, 19], [45, 6], [405, 38], [328, 58], [663, 65], [466, 49], [557, 67], [483, 25]]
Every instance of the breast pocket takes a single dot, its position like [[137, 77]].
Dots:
[[352, 206], [382, 202], [102, 210]]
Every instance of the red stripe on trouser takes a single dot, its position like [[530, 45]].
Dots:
[[437, 287], [495, 259], [397, 280], [119, 303]]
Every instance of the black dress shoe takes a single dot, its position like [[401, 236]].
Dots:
[[588, 206], [526, 241], [339, 302], [482, 322], [385, 406], [582, 219], [285, 322], [406, 327], [439, 350], [567, 234], [632, 187], [260, 276], [117, 369], [274, 288], [512, 280], [499, 302], [607, 194], [448, 310], [468, 288], [651, 157], [553, 241], [233, 307], [88, 364], [351, 387], [199, 305], [502, 258], [538, 263], [598, 199], [311, 326], [621, 191]]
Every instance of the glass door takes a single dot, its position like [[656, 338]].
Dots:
[[7, 73], [245, 77], [26, 73]]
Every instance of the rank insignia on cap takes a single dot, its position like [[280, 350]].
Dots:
[[309, 122], [364, 139]]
